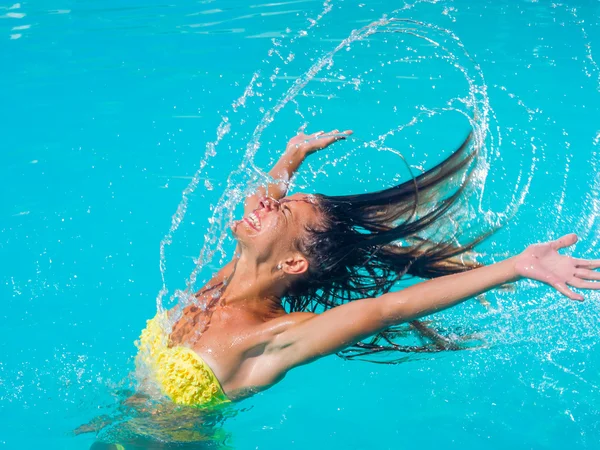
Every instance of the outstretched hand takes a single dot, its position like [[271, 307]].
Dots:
[[311, 143], [542, 262]]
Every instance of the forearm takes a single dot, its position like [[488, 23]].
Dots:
[[281, 173], [441, 293], [338, 327]]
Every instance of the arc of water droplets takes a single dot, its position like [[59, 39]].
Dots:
[[483, 124], [593, 198], [231, 196], [177, 218], [588, 46], [480, 125], [587, 221], [222, 130]]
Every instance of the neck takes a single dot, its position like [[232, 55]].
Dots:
[[254, 283]]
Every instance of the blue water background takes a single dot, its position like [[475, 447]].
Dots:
[[106, 109]]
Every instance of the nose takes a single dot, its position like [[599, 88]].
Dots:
[[268, 203]]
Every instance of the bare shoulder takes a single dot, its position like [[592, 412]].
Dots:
[[264, 334], [259, 365], [280, 324]]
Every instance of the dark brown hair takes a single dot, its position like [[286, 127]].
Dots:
[[366, 243]]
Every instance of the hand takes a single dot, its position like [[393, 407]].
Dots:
[[310, 143], [542, 262]]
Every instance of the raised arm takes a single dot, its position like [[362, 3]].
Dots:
[[297, 149], [345, 325]]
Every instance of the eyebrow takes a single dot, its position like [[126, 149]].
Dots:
[[302, 200], [305, 200], [289, 209]]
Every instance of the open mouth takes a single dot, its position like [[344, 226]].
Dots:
[[253, 221]]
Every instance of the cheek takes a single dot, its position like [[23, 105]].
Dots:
[[273, 233], [272, 225], [278, 239]]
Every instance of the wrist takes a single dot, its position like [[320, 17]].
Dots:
[[519, 266], [295, 151]]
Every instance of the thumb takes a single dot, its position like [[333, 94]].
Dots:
[[565, 241]]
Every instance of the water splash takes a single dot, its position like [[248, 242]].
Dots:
[[223, 129], [179, 215], [492, 135], [475, 107]]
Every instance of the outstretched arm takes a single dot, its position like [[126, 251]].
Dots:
[[345, 325], [297, 149]]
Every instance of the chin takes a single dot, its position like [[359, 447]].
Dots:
[[239, 232]]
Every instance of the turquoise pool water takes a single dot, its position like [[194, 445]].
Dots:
[[122, 120]]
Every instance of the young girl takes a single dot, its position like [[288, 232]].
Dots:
[[339, 256]]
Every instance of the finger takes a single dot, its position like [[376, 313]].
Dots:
[[588, 263], [343, 135], [564, 290], [586, 274], [582, 284], [566, 241], [339, 135], [335, 135]]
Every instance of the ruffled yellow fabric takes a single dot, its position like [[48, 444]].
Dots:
[[180, 372]]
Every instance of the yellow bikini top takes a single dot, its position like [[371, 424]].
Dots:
[[180, 373]]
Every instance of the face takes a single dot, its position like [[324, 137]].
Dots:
[[270, 232]]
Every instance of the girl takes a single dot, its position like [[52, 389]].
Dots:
[[339, 256]]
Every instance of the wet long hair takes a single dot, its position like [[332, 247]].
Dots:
[[367, 243]]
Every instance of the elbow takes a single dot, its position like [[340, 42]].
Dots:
[[394, 309]]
